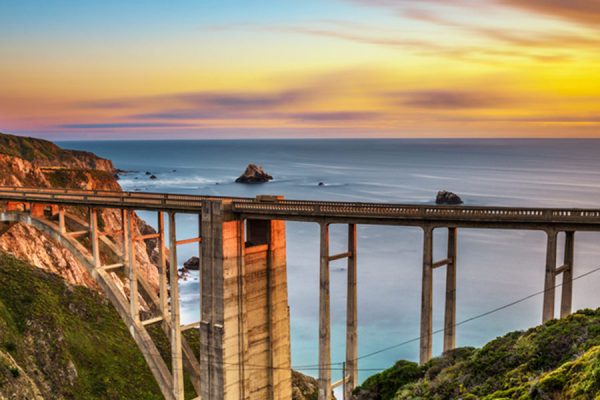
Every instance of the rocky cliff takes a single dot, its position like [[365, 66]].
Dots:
[[42, 153], [39, 163]]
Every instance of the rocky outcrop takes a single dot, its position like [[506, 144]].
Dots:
[[39, 163], [304, 387], [254, 174], [445, 197], [40, 251], [16, 171], [193, 264], [45, 154]]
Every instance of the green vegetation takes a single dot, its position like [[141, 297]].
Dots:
[[73, 178], [558, 360], [67, 339]]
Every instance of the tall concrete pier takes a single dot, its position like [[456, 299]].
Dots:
[[244, 323]]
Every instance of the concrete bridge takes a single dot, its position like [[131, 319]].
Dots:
[[244, 323]]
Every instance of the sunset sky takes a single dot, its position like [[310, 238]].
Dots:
[[320, 68]]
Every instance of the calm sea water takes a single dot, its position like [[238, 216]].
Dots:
[[495, 267]]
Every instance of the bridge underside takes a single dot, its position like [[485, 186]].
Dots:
[[244, 320]]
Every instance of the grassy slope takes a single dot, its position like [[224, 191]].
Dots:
[[68, 339], [32, 149], [558, 360]]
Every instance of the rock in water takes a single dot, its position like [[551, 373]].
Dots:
[[254, 174], [445, 197], [193, 264], [153, 177]]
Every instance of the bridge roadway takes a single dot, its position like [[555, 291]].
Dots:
[[243, 279], [272, 207]]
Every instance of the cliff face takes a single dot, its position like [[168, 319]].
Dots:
[[39, 163], [43, 153]]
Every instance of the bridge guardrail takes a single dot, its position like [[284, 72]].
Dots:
[[307, 208]]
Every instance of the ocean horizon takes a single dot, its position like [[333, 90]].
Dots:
[[495, 267]]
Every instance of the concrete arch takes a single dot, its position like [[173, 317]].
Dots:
[[144, 341]]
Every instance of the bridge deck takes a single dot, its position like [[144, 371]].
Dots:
[[317, 211]]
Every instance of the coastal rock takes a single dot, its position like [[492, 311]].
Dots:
[[193, 264], [254, 174], [46, 165], [445, 197], [305, 387]]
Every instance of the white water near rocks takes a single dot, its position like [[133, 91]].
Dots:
[[494, 267]]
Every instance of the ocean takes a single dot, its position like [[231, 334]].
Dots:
[[495, 267]]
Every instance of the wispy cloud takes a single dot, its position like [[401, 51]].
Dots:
[[580, 11], [334, 116], [122, 125], [523, 38], [349, 31], [447, 99]]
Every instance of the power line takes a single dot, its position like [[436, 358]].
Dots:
[[338, 366], [484, 314]]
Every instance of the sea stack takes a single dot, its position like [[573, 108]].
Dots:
[[445, 197], [254, 174], [192, 264]]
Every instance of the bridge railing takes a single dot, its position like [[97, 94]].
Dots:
[[381, 210], [302, 208]]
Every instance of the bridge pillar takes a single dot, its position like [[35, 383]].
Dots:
[[163, 292], [351, 317], [93, 226], [450, 307], [324, 318], [14, 206], [175, 334], [37, 210], [61, 221], [245, 313], [550, 277], [211, 291], [425, 345], [567, 275], [132, 271]]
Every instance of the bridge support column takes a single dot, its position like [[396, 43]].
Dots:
[[324, 318], [14, 206], [567, 275], [176, 355], [550, 277], [163, 292], [126, 239], [426, 297], [351, 317], [132, 273], [93, 226], [450, 307], [212, 368], [37, 210], [245, 313], [61, 220]]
